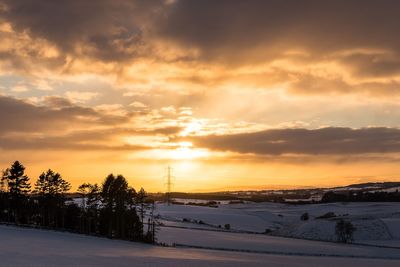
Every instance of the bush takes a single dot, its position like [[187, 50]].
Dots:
[[327, 215], [304, 216], [344, 231]]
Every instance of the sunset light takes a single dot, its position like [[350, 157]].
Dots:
[[250, 89], [240, 133]]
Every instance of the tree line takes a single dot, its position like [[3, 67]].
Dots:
[[351, 196], [112, 209]]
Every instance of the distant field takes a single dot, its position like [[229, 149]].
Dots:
[[377, 223]]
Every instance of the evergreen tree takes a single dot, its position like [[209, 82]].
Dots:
[[110, 210], [141, 197], [15, 180], [51, 184], [3, 181], [90, 194], [344, 231], [51, 189], [83, 191], [17, 184], [118, 216]]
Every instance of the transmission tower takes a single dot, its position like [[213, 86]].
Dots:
[[169, 184]]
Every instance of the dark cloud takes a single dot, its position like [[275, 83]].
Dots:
[[64, 143], [17, 115], [325, 141], [114, 29], [373, 64], [232, 33], [310, 84], [107, 30], [57, 102], [228, 27], [58, 124]]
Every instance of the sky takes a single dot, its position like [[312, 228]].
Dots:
[[232, 94]]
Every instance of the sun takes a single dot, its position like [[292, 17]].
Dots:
[[185, 151], [192, 128], [182, 151]]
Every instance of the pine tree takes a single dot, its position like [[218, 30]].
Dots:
[[118, 215], [51, 189], [17, 184], [51, 184], [16, 180], [90, 194], [141, 197]]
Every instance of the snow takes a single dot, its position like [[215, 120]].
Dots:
[[239, 219], [269, 244], [374, 221], [393, 225], [30, 247], [199, 201], [292, 242]]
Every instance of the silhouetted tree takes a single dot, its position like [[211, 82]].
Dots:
[[17, 185], [152, 223], [119, 212], [83, 191], [141, 198], [304, 216], [109, 211], [3, 182], [360, 196], [15, 180], [51, 189], [90, 194], [344, 231], [51, 183]]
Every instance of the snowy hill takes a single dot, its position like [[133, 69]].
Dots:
[[39, 248], [374, 221]]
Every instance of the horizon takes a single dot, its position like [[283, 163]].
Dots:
[[267, 97], [76, 182]]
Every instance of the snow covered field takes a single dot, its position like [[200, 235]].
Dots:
[[30, 247], [376, 223], [271, 244], [202, 239]]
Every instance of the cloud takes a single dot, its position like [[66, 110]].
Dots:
[[275, 26], [309, 84], [58, 124], [20, 88], [348, 46], [108, 30], [80, 97], [324, 141], [138, 104], [67, 142], [264, 44], [84, 140], [18, 115], [55, 115]]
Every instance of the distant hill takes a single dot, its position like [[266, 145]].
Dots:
[[369, 186], [304, 195]]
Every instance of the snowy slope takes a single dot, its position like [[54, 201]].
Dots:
[[269, 244], [27, 247], [239, 219], [374, 221]]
